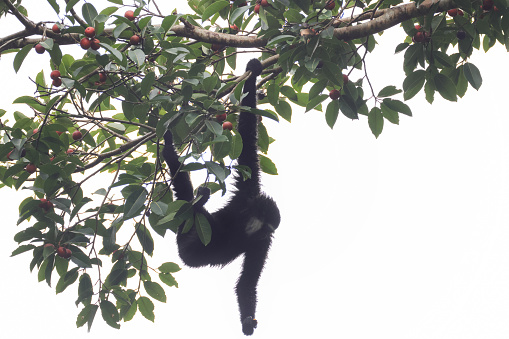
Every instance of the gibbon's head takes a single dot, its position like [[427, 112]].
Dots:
[[255, 66], [265, 217]]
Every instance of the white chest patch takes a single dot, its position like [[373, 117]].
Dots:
[[253, 226]]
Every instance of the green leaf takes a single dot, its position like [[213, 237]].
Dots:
[[89, 13], [20, 57], [267, 166], [214, 8], [155, 291], [203, 228], [284, 110], [22, 249], [332, 112], [87, 315], [445, 87], [66, 280], [315, 101], [145, 239], [390, 114], [146, 308], [110, 314], [398, 106], [168, 279], [376, 121], [134, 202], [147, 82], [388, 91], [318, 88], [70, 5], [413, 83], [473, 75], [169, 267]]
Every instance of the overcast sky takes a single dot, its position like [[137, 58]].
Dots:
[[404, 236]]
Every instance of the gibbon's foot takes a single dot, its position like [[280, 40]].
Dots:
[[248, 325]]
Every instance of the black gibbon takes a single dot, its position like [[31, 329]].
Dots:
[[244, 225]]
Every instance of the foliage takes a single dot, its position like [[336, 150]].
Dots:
[[123, 93]]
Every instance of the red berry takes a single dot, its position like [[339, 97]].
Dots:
[[55, 29], [54, 74], [59, 133], [35, 131], [45, 204], [264, 3], [221, 117], [94, 44], [330, 5], [69, 151], [57, 82], [460, 12], [30, 168], [334, 94], [135, 40], [85, 43], [453, 12], [227, 125], [49, 245], [419, 37], [417, 27], [77, 135], [345, 79], [90, 32], [129, 15], [39, 49], [234, 27], [487, 5], [102, 77], [61, 251], [257, 8], [68, 253]]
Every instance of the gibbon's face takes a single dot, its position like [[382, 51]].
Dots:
[[265, 217]]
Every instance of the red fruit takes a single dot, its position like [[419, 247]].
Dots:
[[221, 117], [334, 94], [419, 37], [85, 43], [61, 251], [345, 79], [135, 40], [69, 151], [52, 158], [453, 12], [77, 135], [129, 15], [234, 27], [330, 5], [227, 125], [68, 253], [460, 12], [59, 133], [94, 44], [257, 8], [418, 27], [264, 3], [102, 77], [54, 74], [30, 168], [487, 5], [35, 131], [57, 82], [49, 245], [46, 204], [90, 32], [39, 49], [55, 29]]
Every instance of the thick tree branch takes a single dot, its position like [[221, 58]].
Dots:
[[391, 17]]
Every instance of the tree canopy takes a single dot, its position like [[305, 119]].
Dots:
[[143, 71]]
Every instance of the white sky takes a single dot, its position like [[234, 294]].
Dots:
[[402, 237]]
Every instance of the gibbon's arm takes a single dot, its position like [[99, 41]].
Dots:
[[248, 129], [254, 261], [181, 182]]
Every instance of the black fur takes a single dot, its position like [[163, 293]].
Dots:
[[244, 225]]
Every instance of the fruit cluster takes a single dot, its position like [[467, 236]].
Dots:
[[55, 76], [90, 41]]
